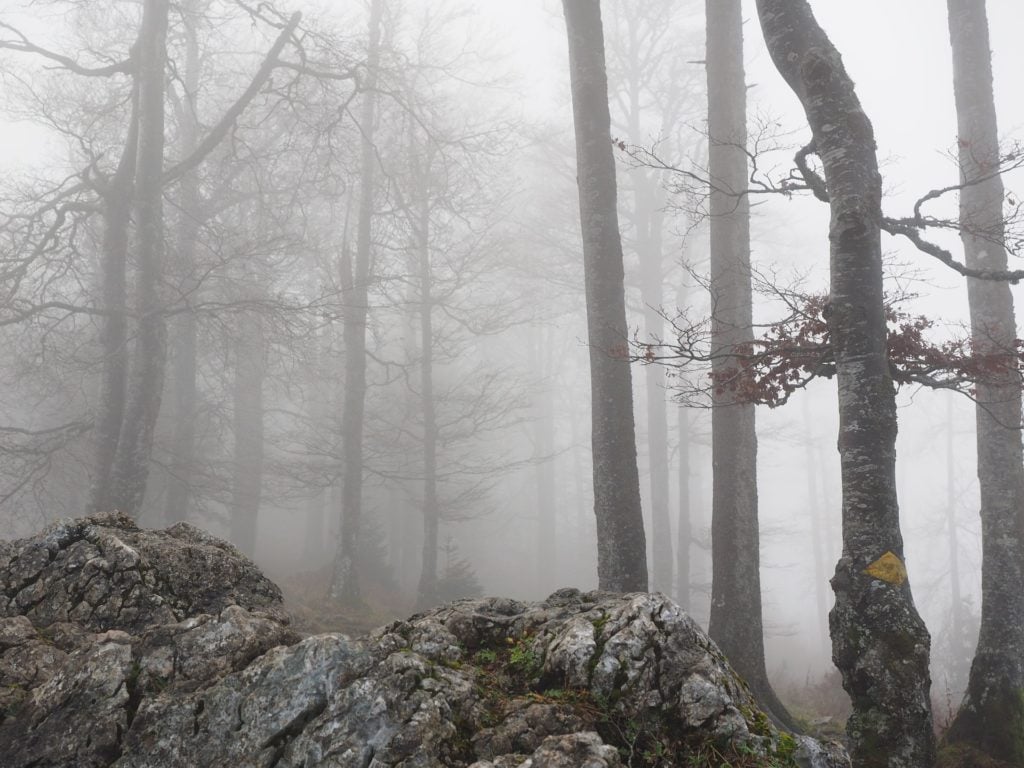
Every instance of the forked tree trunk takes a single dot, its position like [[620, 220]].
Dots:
[[992, 715], [621, 545], [345, 583], [879, 642], [146, 377], [736, 622]]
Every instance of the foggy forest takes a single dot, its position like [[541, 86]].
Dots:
[[420, 301]]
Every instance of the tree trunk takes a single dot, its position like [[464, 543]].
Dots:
[[544, 455], [345, 584], [684, 531], [992, 715], [736, 618], [146, 378], [117, 203], [815, 508], [427, 593], [879, 642], [621, 545], [649, 225], [247, 472], [184, 330]]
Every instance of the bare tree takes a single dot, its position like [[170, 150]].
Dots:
[[355, 280], [879, 642], [622, 551], [736, 622], [991, 717]]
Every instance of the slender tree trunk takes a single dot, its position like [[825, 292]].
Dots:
[[117, 204], [621, 545], [879, 642], [736, 622], [427, 593], [130, 470], [815, 509], [544, 451], [684, 529], [247, 473], [992, 715], [345, 584], [184, 329], [649, 247]]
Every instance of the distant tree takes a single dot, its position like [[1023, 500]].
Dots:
[[736, 622], [622, 550], [880, 644], [355, 282], [991, 717]]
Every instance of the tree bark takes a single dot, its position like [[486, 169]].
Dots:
[[427, 592], [879, 642], [130, 469], [345, 584], [247, 472], [991, 717], [621, 544], [117, 203], [736, 622], [684, 530], [184, 329]]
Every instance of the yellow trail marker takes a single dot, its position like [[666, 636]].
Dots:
[[889, 568]]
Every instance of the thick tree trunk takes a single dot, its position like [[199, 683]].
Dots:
[[879, 642], [736, 622], [130, 470], [621, 548], [992, 715], [345, 584], [117, 204], [247, 471]]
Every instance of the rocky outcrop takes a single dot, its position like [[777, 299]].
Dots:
[[171, 665]]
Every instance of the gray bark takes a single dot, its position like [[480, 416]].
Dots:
[[247, 470], [184, 330], [879, 642], [130, 469], [684, 529], [736, 622], [621, 545], [544, 455], [117, 202], [345, 583], [991, 717], [427, 591]]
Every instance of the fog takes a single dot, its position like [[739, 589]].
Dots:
[[474, 206]]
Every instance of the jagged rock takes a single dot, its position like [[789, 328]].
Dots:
[[103, 572], [208, 674]]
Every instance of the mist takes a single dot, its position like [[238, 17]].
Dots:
[[348, 328]]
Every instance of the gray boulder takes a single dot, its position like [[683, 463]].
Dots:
[[173, 666]]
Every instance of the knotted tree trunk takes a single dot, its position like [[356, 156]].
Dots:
[[879, 642]]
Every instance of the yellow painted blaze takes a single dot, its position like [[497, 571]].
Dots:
[[889, 568]]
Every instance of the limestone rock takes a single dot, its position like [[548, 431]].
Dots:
[[103, 572], [168, 648]]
